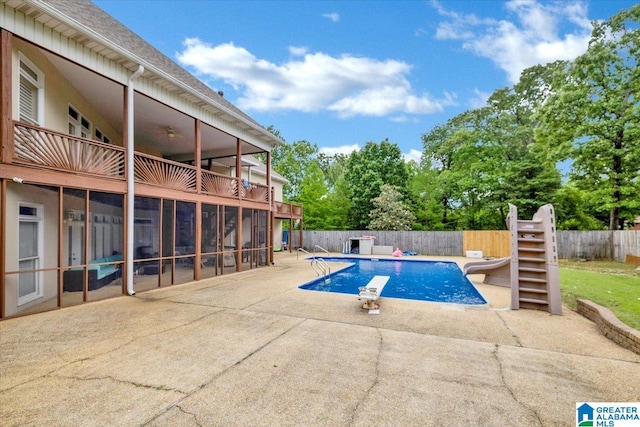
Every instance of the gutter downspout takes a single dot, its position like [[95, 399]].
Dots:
[[130, 179]]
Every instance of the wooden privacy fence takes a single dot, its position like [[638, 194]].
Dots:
[[423, 242], [494, 243]]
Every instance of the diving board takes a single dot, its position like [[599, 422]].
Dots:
[[371, 292]]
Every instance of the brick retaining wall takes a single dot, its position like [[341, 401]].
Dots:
[[610, 326]]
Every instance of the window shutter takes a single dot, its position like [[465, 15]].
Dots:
[[28, 101]]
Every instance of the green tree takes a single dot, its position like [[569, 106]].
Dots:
[[593, 117], [292, 162], [485, 158], [389, 213], [314, 196], [340, 204], [333, 167], [573, 210], [439, 151], [366, 171], [420, 199]]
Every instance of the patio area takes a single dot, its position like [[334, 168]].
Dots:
[[252, 349]]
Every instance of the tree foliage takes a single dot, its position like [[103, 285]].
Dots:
[[292, 161], [366, 171], [389, 213], [593, 117], [583, 115]]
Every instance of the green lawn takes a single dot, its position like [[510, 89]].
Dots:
[[615, 286]]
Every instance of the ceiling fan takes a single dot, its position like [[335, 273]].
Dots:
[[171, 133]]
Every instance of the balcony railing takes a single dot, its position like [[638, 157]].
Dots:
[[256, 192], [44, 148], [219, 185], [166, 173], [288, 210]]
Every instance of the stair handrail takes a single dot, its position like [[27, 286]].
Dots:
[[321, 267], [301, 250], [317, 268], [320, 248]]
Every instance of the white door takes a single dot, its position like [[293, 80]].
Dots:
[[30, 252], [75, 245]]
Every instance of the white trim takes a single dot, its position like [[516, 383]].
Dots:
[[39, 219], [80, 130], [38, 83]]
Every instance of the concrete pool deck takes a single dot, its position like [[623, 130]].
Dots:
[[252, 349]]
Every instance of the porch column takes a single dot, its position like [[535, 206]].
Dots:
[[129, 143], [239, 223], [270, 237], [6, 131], [198, 161], [6, 148]]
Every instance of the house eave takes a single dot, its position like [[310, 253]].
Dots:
[[55, 19]]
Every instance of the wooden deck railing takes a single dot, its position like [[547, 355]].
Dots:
[[44, 148], [256, 192], [47, 149], [288, 210], [219, 185], [156, 171]]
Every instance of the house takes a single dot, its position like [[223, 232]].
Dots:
[[120, 172]]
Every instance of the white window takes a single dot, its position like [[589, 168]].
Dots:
[[79, 125], [31, 92], [102, 137], [30, 236]]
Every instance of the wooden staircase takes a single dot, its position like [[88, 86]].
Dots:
[[534, 261]]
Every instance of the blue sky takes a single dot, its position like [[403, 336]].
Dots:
[[342, 73]]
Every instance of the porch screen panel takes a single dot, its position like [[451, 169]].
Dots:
[[262, 237], [167, 228], [210, 261], [28, 258], [229, 228]]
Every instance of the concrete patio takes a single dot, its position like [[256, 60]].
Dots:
[[251, 349]]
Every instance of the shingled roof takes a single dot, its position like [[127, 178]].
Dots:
[[88, 15]]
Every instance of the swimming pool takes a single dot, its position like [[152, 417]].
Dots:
[[438, 281]]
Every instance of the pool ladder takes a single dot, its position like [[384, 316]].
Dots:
[[319, 265]]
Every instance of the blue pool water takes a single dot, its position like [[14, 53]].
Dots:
[[439, 281]]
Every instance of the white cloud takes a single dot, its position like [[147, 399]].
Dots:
[[298, 50], [480, 99], [311, 82], [531, 37], [344, 149], [413, 154], [420, 32], [333, 17]]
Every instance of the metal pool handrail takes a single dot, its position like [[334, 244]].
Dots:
[[301, 250], [322, 267], [321, 248]]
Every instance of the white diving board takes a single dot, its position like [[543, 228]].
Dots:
[[371, 292]]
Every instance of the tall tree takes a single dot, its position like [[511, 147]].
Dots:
[[593, 117], [314, 196], [292, 161], [389, 213], [366, 171]]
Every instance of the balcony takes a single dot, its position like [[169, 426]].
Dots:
[[46, 149], [287, 210]]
